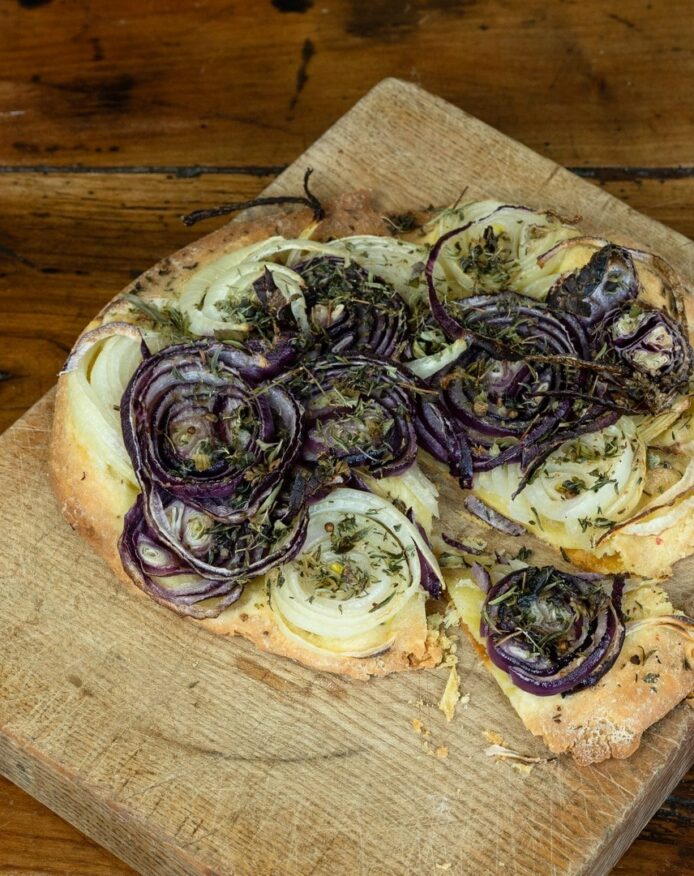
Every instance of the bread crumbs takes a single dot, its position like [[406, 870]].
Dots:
[[420, 729], [451, 694], [524, 768], [493, 737]]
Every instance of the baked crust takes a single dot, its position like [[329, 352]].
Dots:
[[94, 504], [653, 673], [650, 555]]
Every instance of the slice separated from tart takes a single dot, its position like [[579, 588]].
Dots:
[[588, 661]]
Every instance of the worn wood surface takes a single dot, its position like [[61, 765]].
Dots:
[[236, 83], [236, 89], [181, 752]]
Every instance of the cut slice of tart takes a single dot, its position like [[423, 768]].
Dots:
[[588, 662]]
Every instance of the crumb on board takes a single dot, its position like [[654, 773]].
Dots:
[[450, 650], [493, 736], [451, 619], [420, 729], [440, 751], [524, 768], [523, 763], [451, 694], [445, 866]]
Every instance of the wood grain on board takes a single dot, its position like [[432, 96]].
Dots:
[[180, 751]]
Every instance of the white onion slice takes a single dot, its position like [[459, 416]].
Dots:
[[651, 427], [664, 510], [583, 486], [428, 365], [413, 488], [525, 236], [94, 389], [679, 434], [212, 292], [227, 281], [348, 601]]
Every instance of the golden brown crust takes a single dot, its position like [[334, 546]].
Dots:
[[88, 498], [84, 497], [252, 618], [609, 719], [653, 673], [652, 556]]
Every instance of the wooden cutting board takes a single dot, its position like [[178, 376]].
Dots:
[[186, 753]]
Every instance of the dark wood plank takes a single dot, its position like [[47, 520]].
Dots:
[[32, 837], [82, 239], [233, 82], [666, 846]]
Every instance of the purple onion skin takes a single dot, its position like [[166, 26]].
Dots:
[[461, 546], [371, 319], [199, 521], [429, 579], [451, 327], [192, 392], [222, 564], [185, 600], [578, 619], [535, 375], [492, 518], [482, 577], [491, 395], [649, 341], [331, 395], [437, 435]]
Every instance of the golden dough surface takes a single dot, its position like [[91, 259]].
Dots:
[[653, 673], [92, 501], [606, 720]]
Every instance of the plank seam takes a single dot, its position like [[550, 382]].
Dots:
[[181, 171], [601, 173]]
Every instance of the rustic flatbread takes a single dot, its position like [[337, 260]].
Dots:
[[247, 434]]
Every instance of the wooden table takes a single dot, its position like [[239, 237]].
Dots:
[[116, 117]]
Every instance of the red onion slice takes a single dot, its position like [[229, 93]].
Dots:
[[553, 632], [197, 430], [358, 411], [157, 570]]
